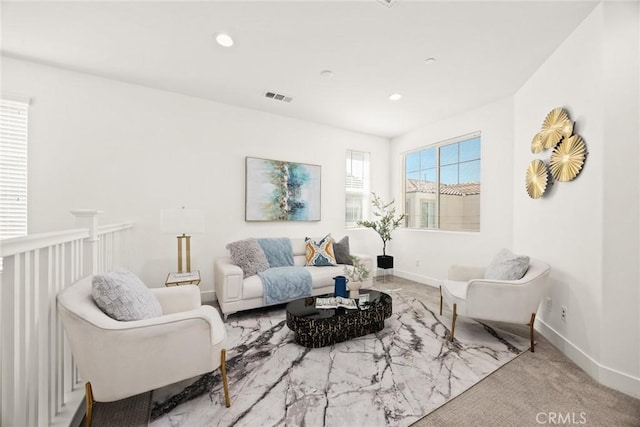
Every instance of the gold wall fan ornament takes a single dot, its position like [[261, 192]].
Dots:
[[567, 158], [556, 126], [536, 144], [537, 177]]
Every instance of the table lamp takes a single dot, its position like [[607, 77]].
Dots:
[[183, 222]]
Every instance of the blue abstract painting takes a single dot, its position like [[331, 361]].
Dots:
[[281, 191]]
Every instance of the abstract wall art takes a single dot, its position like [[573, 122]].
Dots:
[[277, 190]]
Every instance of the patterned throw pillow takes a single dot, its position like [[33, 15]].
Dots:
[[121, 295], [320, 254]]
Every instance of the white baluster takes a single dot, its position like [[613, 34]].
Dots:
[[38, 377], [88, 218], [8, 342]]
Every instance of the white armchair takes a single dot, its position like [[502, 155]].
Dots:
[[121, 359], [513, 301]]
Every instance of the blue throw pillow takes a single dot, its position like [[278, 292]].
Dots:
[[278, 251]]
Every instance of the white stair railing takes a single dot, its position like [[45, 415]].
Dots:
[[40, 385]]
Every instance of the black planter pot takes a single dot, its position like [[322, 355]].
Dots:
[[385, 261]]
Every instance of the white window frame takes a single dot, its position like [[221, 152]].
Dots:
[[14, 132], [357, 188], [409, 206]]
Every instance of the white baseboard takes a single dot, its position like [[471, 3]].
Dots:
[[605, 375], [425, 280], [208, 296]]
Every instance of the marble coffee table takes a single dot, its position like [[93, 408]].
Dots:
[[319, 327]]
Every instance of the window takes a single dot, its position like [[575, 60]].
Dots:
[[442, 185], [357, 192], [13, 168]]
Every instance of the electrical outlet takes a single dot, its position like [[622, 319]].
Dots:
[[549, 304], [563, 314], [417, 263]]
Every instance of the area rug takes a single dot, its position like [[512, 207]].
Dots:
[[391, 378]]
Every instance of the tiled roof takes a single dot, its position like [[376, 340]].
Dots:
[[462, 189]]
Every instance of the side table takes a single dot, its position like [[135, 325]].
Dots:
[[184, 278]]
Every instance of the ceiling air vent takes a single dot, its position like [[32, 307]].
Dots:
[[278, 96], [387, 3]]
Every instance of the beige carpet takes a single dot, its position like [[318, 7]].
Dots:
[[541, 388], [532, 390]]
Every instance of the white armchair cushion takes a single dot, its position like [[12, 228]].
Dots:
[[507, 266], [122, 296], [175, 299], [464, 273]]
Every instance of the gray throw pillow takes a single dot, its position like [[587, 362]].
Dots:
[[507, 266], [121, 295], [342, 252], [278, 251], [249, 256]]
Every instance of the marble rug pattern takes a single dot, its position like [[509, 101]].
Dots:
[[391, 378]]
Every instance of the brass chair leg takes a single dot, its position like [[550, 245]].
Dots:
[[223, 369], [440, 300], [453, 320], [89, 404], [533, 318]]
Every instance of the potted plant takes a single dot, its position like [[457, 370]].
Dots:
[[385, 222], [357, 273]]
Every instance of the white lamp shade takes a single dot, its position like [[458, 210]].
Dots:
[[182, 221]]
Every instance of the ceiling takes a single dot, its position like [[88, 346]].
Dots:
[[484, 51]]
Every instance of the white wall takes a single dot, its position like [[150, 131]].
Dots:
[[132, 151], [621, 208], [435, 251], [587, 229]]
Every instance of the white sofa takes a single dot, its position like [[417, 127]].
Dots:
[[235, 293]]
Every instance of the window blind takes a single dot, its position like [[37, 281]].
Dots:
[[13, 168]]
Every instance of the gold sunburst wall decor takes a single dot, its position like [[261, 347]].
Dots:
[[567, 158], [536, 144], [556, 126], [537, 177]]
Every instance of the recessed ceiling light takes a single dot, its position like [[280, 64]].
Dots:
[[430, 60], [394, 97], [224, 40], [326, 73]]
